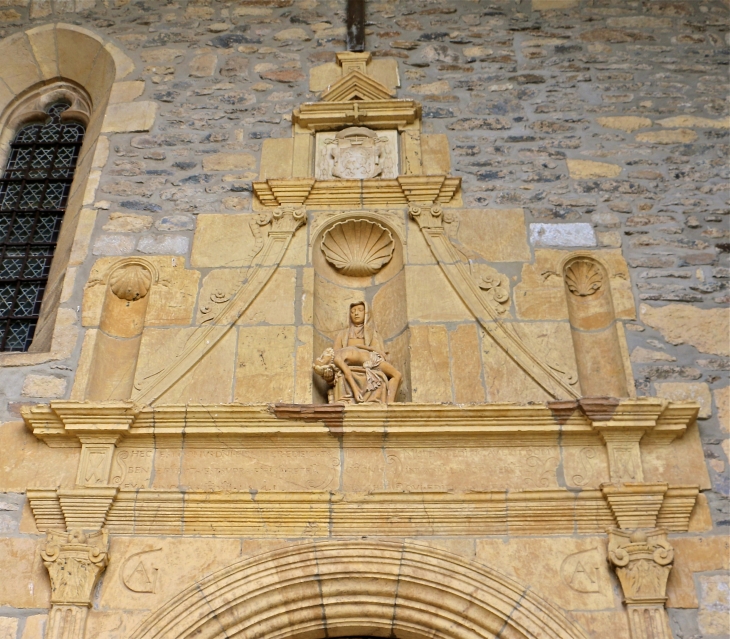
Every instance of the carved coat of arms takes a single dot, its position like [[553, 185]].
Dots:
[[356, 153]]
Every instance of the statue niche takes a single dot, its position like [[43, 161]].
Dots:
[[356, 369]]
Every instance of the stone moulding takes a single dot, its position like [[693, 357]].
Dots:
[[363, 193], [354, 588], [374, 114], [327, 513], [321, 513], [60, 423]]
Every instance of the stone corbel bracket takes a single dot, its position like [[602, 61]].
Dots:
[[622, 429]]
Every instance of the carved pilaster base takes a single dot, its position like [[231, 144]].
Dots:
[[648, 622], [67, 622]]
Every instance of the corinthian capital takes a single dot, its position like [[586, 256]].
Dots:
[[74, 561], [643, 560]]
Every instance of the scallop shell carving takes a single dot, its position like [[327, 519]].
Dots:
[[358, 247], [130, 282], [583, 278]]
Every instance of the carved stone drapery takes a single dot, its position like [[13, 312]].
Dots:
[[74, 561], [642, 560]]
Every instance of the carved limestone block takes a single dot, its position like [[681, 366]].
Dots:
[[356, 153], [635, 505], [74, 561], [643, 560]]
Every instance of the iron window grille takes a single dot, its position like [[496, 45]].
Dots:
[[34, 190]]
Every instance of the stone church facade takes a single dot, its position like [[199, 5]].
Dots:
[[425, 340]]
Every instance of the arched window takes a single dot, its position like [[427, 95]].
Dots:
[[34, 190]]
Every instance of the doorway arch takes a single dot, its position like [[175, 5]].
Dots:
[[356, 589]]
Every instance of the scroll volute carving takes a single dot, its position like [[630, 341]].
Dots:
[[593, 323]]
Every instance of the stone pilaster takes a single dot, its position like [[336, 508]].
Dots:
[[642, 560], [74, 561]]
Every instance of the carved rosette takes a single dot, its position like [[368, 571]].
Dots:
[[358, 248], [583, 277], [74, 561], [494, 284], [643, 560]]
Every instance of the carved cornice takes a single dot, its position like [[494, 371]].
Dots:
[[373, 113], [355, 85], [403, 190], [57, 423], [319, 513]]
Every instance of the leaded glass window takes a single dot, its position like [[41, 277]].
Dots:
[[33, 192]]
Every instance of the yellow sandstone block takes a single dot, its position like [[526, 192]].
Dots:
[[229, 162], [705, 329], [628, 123], [676, 136], [588, 169], [694, 121], [129, 117], [126, 91]]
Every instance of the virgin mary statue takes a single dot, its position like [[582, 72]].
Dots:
[[356, 368]]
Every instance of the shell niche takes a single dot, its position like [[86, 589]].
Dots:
[[358, 248]]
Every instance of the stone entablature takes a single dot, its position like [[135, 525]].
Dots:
[[183, 456]]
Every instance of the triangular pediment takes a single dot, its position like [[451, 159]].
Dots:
[[356, 86]]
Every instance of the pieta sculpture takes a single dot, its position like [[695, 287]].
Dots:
[[356, 368]]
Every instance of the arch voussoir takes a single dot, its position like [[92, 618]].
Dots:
[[345, 588]]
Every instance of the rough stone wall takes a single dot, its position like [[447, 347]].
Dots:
[[608, 119]]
